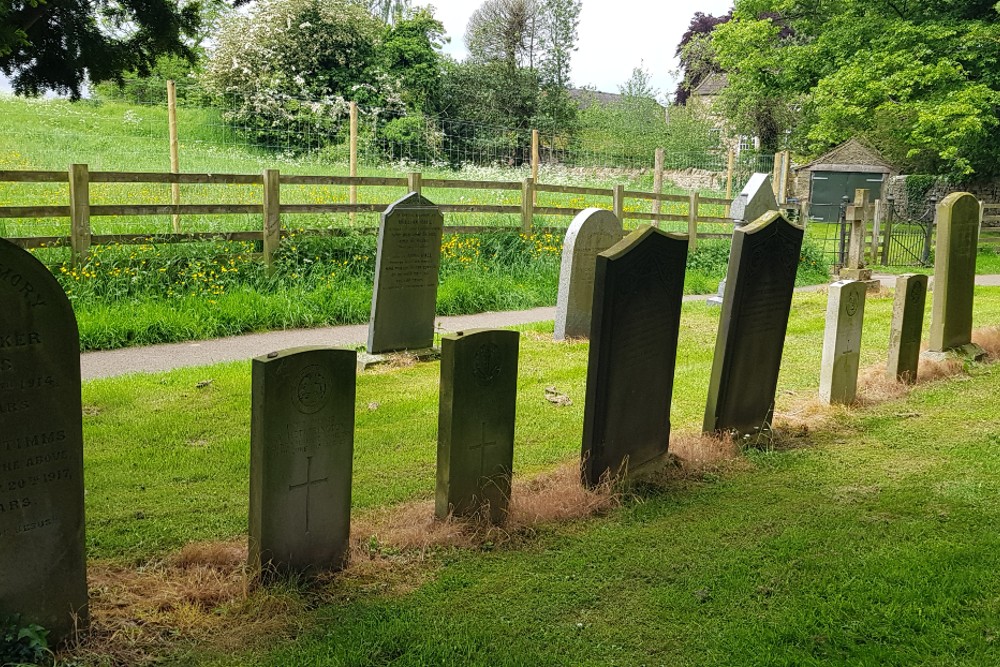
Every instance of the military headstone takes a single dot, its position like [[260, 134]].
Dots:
[[475, 456], [43, 575], [845, 313], [907, 327], [301, 452], [755, 199], [638, 290], [759, 286], [958, 218], [406, 276], [592, 231]]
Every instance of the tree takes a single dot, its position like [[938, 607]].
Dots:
[[505, 31], [561, 21], [411, 52], [388, 10], [695, 53], [59, 44]]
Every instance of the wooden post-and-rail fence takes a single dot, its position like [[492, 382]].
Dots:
[[80, 208]]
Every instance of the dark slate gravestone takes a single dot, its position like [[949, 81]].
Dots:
[[759, 285], [633, 351], [301, 451], [907, 327], [43, 575], [592, 231], [476, 422], [406, 276]]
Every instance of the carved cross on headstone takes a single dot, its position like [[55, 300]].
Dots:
[[308, 484], [857, 216], [482, 445]]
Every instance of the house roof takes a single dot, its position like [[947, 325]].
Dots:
[[711, 84], [851, 152]]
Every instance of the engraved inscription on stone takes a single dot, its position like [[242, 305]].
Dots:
[[958, 220], [592, 231]]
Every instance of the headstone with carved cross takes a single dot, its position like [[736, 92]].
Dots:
[[633, 351], [858, 215], [845, 314], [475, 455], [301, 451]]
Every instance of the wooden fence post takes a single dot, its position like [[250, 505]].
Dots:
[[272, 214], [693, 201], [888, 212], [353, 190], [618, 203], [414, 181], [527, 205], [534, 163], [657, 182], [175, 163], [79, 212]]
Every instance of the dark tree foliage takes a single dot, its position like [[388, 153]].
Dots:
[[58, 44], [694, 63]]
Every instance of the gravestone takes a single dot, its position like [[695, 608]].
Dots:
[[858, 215], [759, 286], [906, 328], [638, 290], [592, 231], [301, 451], [406, 276], [475, 456], [958, 218], [845, 314], [43, 571]]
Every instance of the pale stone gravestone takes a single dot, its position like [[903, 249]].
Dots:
[[592, 231], [638, 290], [845, 314], [478, 396], [958, 218], [406, 276], [907, 327], [759, 286], [756, 199], [43, 571], [858, 215], [301, 452]]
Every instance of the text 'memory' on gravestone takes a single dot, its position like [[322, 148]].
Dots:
[[301, 452], [43, 574], [845, 314], [906, 328], [406, 276], [638, 289], [759, 286], [478, 396], [592, 231], [958, 218]]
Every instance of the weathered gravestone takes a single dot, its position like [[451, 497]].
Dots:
[[638, 289], [756, 199], [592, 231], [406, 276], [958, 218], [906, 328], [301, 452], [759, 286], [478, 396], [43, 575], [845, 314]]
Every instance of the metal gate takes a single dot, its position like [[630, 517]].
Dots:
[[907, 236]]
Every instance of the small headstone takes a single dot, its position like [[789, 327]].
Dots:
[[958, 218], [301, 452], [478, 397], [406, 276], [755, 199], [845, 314], [907, 327], [759, 286], [719, 296], [43, 571], [592, 231], [638, 291]]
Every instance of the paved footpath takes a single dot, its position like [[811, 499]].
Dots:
[[157, 358]]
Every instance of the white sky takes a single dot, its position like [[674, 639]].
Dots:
[[614, 37]]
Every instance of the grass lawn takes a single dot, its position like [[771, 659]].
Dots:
[[866, 537]]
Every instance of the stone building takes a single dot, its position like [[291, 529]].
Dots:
[[838, 173]]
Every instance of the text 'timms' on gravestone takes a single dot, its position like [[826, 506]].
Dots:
[[478, 396], [759, 286], [906, 328], [406, 276], [301, 452], [638, 290], [43, 574], [592, 231], [845, 315], [958, 217]]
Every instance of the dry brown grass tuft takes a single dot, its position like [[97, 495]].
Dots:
[[558, 496], [988, 338], [701, 450]]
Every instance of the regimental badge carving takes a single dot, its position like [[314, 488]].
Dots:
[[852, 304], [916, 292], [311, 390], [487, 364]]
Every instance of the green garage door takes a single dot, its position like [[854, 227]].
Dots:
[[829, 187]]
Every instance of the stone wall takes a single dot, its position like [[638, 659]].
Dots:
[[986, 191]]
